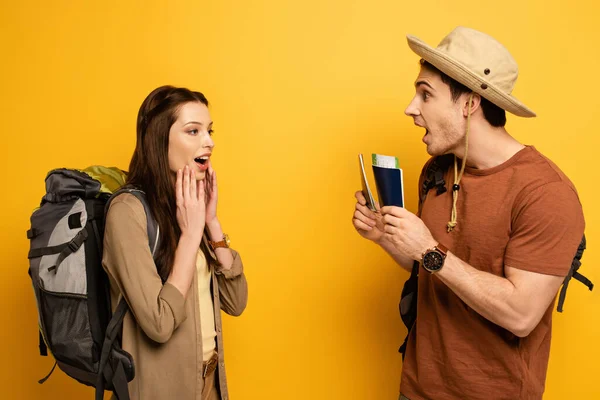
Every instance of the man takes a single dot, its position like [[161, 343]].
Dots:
[[494, 248]]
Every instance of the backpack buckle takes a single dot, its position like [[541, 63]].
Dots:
[[73, 246]]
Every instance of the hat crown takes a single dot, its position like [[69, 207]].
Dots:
[[483, 55]]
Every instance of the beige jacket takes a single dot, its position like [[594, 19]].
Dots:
[[162, 329]]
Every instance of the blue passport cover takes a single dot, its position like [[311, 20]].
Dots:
[[389, 186]]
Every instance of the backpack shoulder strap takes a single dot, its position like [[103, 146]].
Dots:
[[574, 273], [106, 374], [152, 225], [116, 374], [433, 177]]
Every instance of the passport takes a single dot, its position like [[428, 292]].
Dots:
[[389, 181]]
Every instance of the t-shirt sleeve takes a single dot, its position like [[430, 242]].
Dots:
[[546, 231]]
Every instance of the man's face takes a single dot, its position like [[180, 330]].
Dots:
[[432, 108]]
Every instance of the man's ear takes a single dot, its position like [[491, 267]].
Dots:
[[475, 101]]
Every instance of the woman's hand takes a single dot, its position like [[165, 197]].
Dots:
[[191, 208]]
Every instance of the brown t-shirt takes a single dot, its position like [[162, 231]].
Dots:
[[524, 213]]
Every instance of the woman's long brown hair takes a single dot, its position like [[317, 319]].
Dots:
[[149, 167]]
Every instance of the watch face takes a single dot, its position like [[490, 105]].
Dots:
[[433, 261]]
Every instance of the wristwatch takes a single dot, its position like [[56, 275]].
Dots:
[[223, 243], [433, 259]]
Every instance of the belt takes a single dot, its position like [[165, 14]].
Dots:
[[210, 365]]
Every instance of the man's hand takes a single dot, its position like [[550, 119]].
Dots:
[[366, 222], [406, 232]]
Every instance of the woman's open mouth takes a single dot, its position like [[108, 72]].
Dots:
[[202, 162]]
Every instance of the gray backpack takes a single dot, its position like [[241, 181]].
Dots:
[[71, 288]]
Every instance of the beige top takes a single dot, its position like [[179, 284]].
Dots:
[[207, 314], [163, 330]]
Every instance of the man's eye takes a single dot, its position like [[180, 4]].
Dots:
[[425, 96]]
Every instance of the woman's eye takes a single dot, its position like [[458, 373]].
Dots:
[[211, 131], [193, 131]]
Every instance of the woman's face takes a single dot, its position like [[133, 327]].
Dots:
[[190, 141]]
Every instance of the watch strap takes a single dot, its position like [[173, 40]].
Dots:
[[222, 243], [443, 249]]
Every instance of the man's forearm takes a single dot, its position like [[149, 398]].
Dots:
[[493, 297]]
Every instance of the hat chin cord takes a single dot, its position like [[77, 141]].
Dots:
[[458, 176]]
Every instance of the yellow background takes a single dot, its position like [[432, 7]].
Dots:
[[298, 89]]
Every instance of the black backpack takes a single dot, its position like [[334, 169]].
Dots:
[[434, 178], [70, 285]]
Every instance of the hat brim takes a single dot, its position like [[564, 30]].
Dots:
[[464, 75]]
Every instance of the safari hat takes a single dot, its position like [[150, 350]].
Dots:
[[479, 62]]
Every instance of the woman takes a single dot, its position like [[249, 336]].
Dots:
[[173, 328]]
